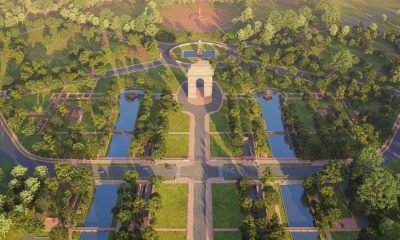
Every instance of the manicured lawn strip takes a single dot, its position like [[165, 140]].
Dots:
[[281, 206], [304, 114], [178, 121], [341, 200], [172, 235], [221, 145], [344, 235], [177, 52], [155, 80], [219, 120], [173, 212], [226, 206], [177, 145], [227, 236]]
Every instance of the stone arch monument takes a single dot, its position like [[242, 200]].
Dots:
[[201, 69]]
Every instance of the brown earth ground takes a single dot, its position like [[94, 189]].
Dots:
[[186, 18]]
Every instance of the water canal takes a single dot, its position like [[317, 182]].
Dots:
[[281, 146], [105, 197], [100, 213], [128, 111], [297, 213]]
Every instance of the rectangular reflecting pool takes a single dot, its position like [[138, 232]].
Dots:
[[193, 54], [304, 235], [119, 146], [127, 113], [298, 215], [94, 236], [281, 146], [271, 111], [104, 200]]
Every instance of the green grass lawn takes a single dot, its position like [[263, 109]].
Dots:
[[178, 121], [173, 212], [219, 120], [227, 236], [177, 145], [226, 206], [280, 205], [155, 80], [353, 9], [172, 235], [342, 202], [344, 235], [377, 62], [221, 146], [303, 113]]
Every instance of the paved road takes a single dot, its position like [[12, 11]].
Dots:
[[393, 152]]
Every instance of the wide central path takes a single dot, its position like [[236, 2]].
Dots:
[[201, 152]]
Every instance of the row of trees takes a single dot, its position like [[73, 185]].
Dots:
[[320, 191], [150, 135], [168, 104], [256, 223], [235, 125], [143, 129], [373, 191], [132, 208], [258, 127]]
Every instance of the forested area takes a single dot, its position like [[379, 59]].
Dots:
[[27, 198]]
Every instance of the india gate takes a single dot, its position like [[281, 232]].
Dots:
[[200, 78]]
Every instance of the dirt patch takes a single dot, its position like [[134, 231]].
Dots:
[[198, 17], [138, 53]]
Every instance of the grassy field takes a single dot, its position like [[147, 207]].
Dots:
[[177, 145], [155, 80], [172, 235], [219, 120], [344, 235], [352, 9], [173, 212], [178, 121], [226, 206], [342, 202], [221, 146], [227, 236], [303, 113], [280, 205], [377, 62]]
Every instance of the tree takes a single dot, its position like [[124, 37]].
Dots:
[[333, 29], [384, 18], [271, 195], [150, 234], [268, 33], [267, 176], [395, 74], [378, 192], [343, 60], [275, 230], [19, 172], [5, 226], [40, 172], [156, 180], [58, 233]]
